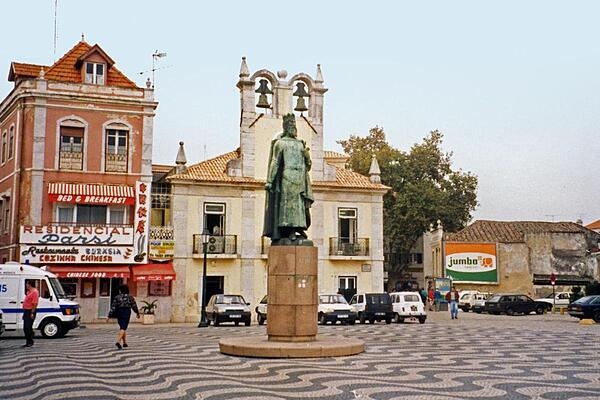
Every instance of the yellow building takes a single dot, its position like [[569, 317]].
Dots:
[[226, 196]]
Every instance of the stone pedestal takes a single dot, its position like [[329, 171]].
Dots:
[[292, 312], [292, 291]]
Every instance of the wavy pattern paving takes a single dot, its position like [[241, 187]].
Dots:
[[480, 358]]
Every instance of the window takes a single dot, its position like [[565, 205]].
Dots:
[[347, 286], [347, 225], [116, 215], [4, 144], [159, 288], [69, 286], [116, 150], [65, 214], [11, 142], [214, 218], [94, 73], [5, 213], [161, 204], [87, 214], [88, 287], [71, 148]]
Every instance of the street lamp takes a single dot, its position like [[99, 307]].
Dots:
[[203, 318]]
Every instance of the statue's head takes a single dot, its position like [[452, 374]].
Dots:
[[289, 125]]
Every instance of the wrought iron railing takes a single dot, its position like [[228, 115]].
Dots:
[[161, 233], [217, 244], [345, 247]]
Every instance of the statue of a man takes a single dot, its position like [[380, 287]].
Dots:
[[289, 193]]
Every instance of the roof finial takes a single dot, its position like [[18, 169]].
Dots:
[[82, 37], [319, 78], [374, 171], [244, 73], [42, 74], [180, 160]]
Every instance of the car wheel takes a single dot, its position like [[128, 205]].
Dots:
[[351, 322], [422, 320], [215, 320], [597, 317], [51, 328], [539, 310], [260, 319], [247, 322], [372, 321], [388, 321], [237, 323], [400, 320], [361, 318], [322, 319], [478, 311], [510, 311]]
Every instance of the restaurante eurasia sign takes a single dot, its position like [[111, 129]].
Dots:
[[77, 254]]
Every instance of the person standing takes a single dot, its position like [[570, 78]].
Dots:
[[452, 298], [121, 308], [430, 297], [30, 304]]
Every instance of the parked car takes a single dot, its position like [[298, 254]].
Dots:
[[586, 307], [261, 311], [512, 303], [478, 304], [467, 297], [372, 307], [408, 305], [333, 308], [560, 299], [228, 308]]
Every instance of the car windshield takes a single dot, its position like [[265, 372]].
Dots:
[[412, 298], [550, 296], [585, 300], [58, 289], [495, 297], [332, 299], [230, 299]]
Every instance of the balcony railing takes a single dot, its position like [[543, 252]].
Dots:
[[217, 244], [161, 233], [342, 247]]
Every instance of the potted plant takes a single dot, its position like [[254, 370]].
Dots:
[[147, 311]]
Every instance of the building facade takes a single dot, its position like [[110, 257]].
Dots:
[[76, 175], [225, 197]]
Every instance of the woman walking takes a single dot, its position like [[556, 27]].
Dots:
[[120, 309]]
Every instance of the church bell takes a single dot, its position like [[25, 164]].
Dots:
[[301, 93], [263, 90]]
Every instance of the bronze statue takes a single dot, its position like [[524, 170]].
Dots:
[[289, 193]]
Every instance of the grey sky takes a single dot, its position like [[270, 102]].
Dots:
[[513, 85]]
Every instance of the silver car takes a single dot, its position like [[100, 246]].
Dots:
[[228, 308]]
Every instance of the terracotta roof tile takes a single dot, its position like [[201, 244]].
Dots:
[[594, 225], [215, 170], [511, 232], [64, 69], [334, 154]]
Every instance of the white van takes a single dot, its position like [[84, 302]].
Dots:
[[56, 315]]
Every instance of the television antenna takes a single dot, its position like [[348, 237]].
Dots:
[[155, 56]]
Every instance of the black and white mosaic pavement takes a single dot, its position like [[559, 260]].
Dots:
[[474, 357]]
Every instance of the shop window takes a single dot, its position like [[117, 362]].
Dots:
[[88, 288], [69, 286], [159, 288]]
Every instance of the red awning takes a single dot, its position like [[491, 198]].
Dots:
[[91, 193], [153, 272], [90, 271]]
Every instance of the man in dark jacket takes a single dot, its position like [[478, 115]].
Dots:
[[452, 298]]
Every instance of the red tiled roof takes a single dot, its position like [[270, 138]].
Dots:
[[66, 70], [215, 170], [594, 225], [510, 232]]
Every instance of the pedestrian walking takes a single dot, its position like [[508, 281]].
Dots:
[[430, 298], [30, 304], [452, 298], [120, 309]]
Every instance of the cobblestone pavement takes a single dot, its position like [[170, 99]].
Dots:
[[477, 356]]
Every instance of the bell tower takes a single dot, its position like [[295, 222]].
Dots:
[[265, 97]]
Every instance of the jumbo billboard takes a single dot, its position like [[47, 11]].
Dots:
[[471, 262]]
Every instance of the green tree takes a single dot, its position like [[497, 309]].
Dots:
[[424, 188]]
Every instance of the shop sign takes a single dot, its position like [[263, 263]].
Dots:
[[141, 228], [42, 254], [162, 249], [77, 235], [471, 262], [90, 199]]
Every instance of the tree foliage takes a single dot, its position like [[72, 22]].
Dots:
[[424, 187]]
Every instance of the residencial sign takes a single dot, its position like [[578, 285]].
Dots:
[[77, 235], [471, 262]]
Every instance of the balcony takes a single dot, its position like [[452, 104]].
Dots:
[[162, 233], [342, 248], [217, 244]]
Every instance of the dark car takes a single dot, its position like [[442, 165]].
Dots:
[[261, 311], [511, 304], [228, 308], [373, 307], [586, 307]]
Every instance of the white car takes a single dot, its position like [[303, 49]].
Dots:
[[333, 308], [228, 308], [261, 311], [467, 299], [408, 305], [561, 299]]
